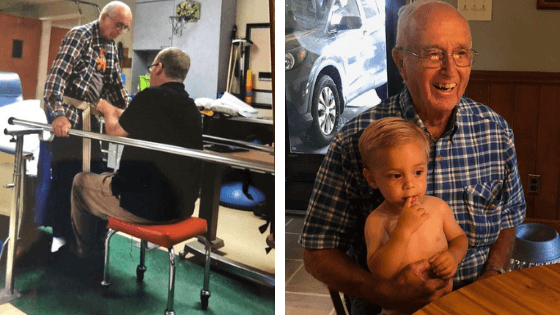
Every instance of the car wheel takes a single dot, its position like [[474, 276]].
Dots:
[[325, 112], [382, 91]]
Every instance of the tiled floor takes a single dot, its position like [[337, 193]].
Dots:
[[304, 294]]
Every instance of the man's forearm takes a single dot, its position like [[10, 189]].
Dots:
[[500, 252], [410, 288], [339, 272]]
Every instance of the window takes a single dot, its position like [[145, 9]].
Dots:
[[17, 49], [335, 65], [371, 8]]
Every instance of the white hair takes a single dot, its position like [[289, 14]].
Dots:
[[112, 7]]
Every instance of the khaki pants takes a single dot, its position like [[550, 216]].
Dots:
[[92, 204]]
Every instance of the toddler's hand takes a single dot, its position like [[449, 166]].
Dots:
[[443, 264], [412, 217]]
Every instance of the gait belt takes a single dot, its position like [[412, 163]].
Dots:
[[87, 109]]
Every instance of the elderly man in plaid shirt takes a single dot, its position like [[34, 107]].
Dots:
[[473, 167], [85, 70]]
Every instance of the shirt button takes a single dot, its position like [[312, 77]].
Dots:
[[439, 158], [492, 207]]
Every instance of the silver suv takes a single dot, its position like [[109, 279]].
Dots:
[[335, 51]]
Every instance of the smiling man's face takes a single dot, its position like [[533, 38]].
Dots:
[[436, 89]]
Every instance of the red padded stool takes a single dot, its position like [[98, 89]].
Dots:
[[166, 235]]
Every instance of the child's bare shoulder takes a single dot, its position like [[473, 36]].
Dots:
[[375, 230], [377, 215], [376, 218], [435, 204]]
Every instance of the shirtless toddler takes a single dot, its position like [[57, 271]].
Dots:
[[408, 226]]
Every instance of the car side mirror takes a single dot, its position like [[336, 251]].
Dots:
[[349, 23]]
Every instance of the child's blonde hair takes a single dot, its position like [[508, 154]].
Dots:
[[390, 132]]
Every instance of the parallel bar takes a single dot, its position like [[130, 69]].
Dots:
[[237, 143], [215, 160], [199, 154], [9, 293], [253, 120]]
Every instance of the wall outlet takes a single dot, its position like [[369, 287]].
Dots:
[[534, 184]]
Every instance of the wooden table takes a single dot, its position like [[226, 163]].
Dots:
[[534, 290]]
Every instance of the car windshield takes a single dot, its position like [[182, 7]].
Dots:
[[302, 15]]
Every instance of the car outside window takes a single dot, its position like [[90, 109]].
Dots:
[[343, 8], [335, 67], [370, 8]]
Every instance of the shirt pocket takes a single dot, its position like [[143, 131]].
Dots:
[[483, 203]]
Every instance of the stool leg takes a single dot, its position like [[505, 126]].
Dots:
[[105, 281], [142, 266], [171, 291], [205, 292]]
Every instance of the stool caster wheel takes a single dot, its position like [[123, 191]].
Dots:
[[140, 273], [204, 296], [182, 255]]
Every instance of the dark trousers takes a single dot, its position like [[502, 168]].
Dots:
[[65, 164]]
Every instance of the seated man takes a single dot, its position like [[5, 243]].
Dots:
[[150, 187]]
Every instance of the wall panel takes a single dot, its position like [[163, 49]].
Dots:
[[548, 153], [530, 103], [28, 31], [525, 123]]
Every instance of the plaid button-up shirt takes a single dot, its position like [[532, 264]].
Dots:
[[72, 72], [473, 167]]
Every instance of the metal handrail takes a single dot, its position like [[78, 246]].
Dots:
[[266, 167], [236, 143]]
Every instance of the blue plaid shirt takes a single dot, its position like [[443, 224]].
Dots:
[[72, 69], [473, 167]]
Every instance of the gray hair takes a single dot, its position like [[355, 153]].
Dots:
[[176, 63], [408, 11], [111, 8]]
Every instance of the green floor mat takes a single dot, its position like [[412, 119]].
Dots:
[[49, 290]]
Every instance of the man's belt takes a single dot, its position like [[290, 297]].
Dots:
[[87, 110]]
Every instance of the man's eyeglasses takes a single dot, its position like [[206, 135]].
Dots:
[[150, 67], [120, 26], [435, 58]]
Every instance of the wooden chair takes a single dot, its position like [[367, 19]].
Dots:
[[337, 302], [165, 235]]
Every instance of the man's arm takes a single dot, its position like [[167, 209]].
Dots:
[[410, 287], [111, 115], [513, 213], [61, 70], [56, 82], [500, 252]]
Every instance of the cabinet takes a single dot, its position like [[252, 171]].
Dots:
[[206, 41]]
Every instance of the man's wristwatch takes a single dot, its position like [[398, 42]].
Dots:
[[500, 270]]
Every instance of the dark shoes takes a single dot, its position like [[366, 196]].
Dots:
[[86, 269], [31, 251]]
